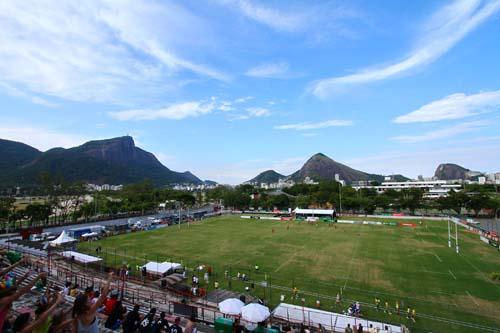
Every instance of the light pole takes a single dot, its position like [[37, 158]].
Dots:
[[340, 195]]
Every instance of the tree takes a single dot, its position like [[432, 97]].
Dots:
[[411, 199], [37, 213]]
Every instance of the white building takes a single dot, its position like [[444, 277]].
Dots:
[[432, 188]]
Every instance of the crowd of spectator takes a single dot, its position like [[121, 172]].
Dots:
[[52, 309]]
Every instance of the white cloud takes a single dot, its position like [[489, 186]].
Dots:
[[271, 70], [252, 112], [226, 106], [258, 112], [455, 106], [442, 133], [442, 31], [175, 111], [41, 138], [412, 163], [238, 172], [277, 19], [312, 126], [243, 99], [32, 98], [165, 159], [106, 50]]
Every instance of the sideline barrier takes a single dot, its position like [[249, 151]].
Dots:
[[330, 320]]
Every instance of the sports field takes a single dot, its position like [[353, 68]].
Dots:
[[412, 266]]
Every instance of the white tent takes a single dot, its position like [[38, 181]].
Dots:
[[90, 234], [63, 238], [316, 212], [330, 320], [255, 313], [80, 257], [154, 267], [231, 306]]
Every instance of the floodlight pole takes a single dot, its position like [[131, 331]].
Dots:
[[457, 248], [449, 233]]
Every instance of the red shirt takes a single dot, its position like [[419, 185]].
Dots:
[[109, 305]]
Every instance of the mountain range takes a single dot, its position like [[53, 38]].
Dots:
[[321, 167], [111, 161], [120, 161]]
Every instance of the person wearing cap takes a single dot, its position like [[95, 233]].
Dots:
[[175, 327]]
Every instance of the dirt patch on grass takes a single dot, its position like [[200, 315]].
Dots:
[[478, 305]]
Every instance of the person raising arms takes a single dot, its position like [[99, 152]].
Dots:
[[84, 313]]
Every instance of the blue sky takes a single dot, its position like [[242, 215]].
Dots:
[[227, 89]]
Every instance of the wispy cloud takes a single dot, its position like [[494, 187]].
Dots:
[[277, 19], [40, 137], [108, 51], [278, 70], [442, 133], [175, 111], [415, 162], [317, 22], [243, 99], [252, 112], [441, 32], [455, 106], [312, 126], [226, 106]]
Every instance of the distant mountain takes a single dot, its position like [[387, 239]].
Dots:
[[111, 161], [269, 176], [321, 167], [399, 178], [210, 182], [450, 171], [15, 154]]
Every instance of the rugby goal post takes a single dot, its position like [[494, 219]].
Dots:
[[450, 234]]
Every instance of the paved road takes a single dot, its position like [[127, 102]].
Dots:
[[490, 224], [167, 213]]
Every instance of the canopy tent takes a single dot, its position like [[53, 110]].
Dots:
[[255, 313], [90, 234], [63, 238], [154, 267], [231, 306], [330, 320], [80, 257], [317, 212]]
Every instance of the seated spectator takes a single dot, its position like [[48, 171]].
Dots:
[[161, 325], [73, 292], [132, 320], [147, 324], [175, 328], [191, 326], [110, 303], [115, 318], [67, 286]]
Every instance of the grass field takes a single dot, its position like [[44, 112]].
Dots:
[[413, 266]]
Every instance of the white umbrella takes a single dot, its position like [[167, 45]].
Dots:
[[231, 306], [255, 313]]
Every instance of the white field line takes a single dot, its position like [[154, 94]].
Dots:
[[468, 293], [452, 274], [350, 263], [438, 258]]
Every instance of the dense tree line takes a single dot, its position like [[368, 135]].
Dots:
[[330, 194], [61, 202]]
